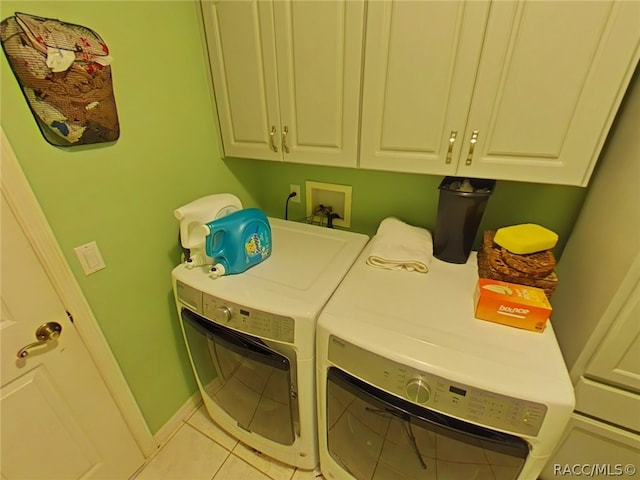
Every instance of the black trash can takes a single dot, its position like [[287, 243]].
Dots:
[[460, 208]]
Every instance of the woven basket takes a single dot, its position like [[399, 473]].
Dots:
[[491, 264]]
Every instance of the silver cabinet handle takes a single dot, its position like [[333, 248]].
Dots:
[[46, 333], [474, 139], [272, 139], [452, 140], [285, 131]]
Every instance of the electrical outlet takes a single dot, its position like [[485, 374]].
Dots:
[[295, 188]]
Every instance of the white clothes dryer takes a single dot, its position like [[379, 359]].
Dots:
[[251, 337], [412, 386]]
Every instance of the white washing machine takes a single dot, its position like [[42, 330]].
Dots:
[[412, 386], [251, 337]]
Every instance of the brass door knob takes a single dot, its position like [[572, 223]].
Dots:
[[46, 333]]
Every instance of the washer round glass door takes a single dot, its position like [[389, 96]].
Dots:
[[374, 435], [244, 377]]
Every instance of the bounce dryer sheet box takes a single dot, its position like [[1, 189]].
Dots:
[[511, 304]]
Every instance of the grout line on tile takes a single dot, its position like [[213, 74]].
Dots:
[[157, 451], [272, 461], [212, 439], [173, 424], [222, 464], [293, 472], [253, 467], [194, 411], [203, 434]]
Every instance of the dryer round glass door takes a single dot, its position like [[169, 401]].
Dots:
[[244, 377], [374, 435]]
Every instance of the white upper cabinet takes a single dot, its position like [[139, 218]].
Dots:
[[551, 78], [287, 78], [420, 64], [513, 90], [242, 56], [529, 88]]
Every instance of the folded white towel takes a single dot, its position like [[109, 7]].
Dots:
[[398, 245]]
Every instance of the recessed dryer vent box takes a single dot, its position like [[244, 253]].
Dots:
[[338, 197]]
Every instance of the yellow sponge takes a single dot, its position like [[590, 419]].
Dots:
[[525, 238]]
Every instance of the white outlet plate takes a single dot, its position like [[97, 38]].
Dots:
[[295, 188], [338, 197]]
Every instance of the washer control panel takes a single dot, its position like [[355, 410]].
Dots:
[[458, 400], [248, 320]]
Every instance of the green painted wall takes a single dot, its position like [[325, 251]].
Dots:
[[123, 195], [413, 198]]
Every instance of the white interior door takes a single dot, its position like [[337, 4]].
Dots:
[[58, 419]]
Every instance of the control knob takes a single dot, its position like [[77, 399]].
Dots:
[[418, 391], [222, 314]]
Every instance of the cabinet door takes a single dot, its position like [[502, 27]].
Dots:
[[242, 55], [419, 70], [617, 359], [550, 80], [319, 50], [587, 445], [609, 404]]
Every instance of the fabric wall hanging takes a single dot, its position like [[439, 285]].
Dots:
[[64, 72]]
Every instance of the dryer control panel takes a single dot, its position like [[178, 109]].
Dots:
[[243, 319], [431, 391]]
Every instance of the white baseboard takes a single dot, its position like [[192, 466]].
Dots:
[[174, 423]]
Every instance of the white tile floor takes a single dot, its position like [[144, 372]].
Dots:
[[199, 450]]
